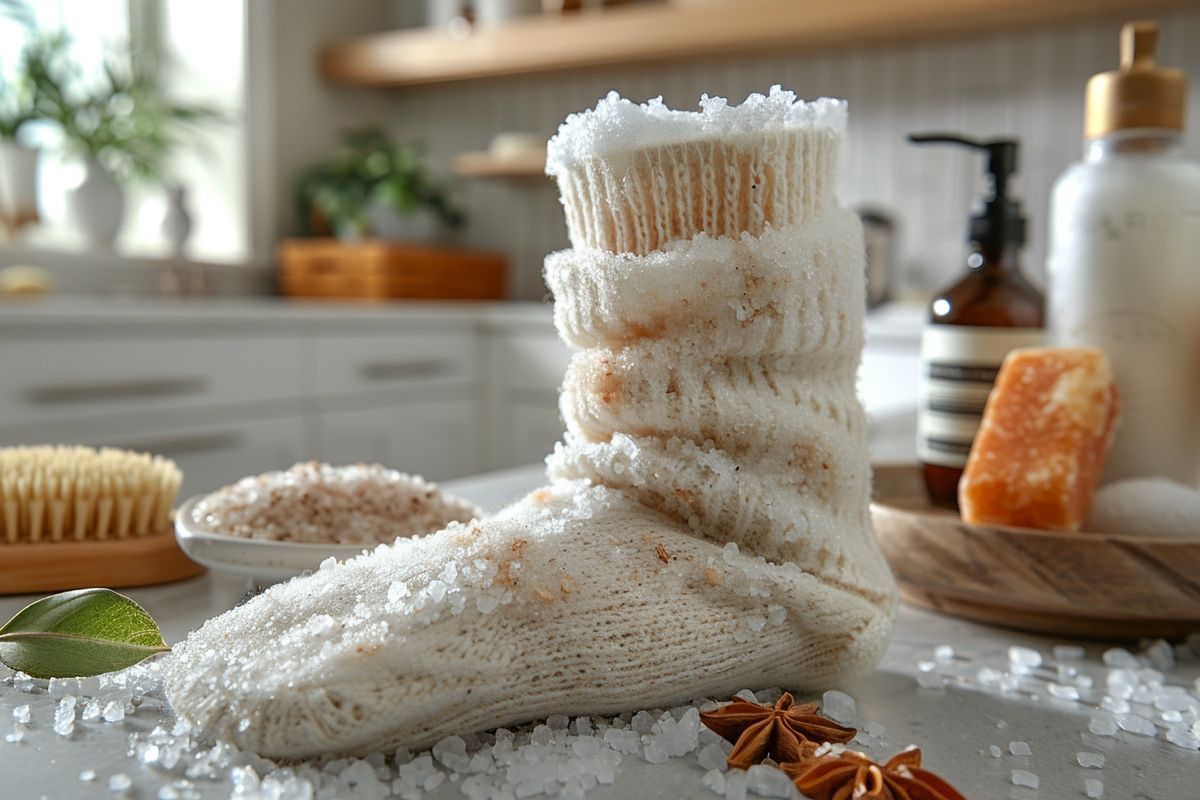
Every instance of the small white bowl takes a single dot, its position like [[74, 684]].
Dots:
[[262, 560]]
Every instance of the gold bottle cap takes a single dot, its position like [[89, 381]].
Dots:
[[1140, 94]]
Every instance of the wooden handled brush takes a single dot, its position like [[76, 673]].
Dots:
[[72, 517]]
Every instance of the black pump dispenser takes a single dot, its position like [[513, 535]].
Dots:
[[1000, 222]]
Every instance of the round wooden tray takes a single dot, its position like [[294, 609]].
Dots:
[[1080, 584], [111, 563]]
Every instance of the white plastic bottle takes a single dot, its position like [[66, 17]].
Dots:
[[1124, 258]]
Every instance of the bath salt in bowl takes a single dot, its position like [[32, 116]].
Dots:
[[318, 503], [275, 526]]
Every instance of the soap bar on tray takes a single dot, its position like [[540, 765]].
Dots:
[[1046, 432]]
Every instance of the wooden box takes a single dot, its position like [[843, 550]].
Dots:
[[375, 270]]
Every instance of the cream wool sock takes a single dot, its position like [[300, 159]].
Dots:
[[706, 529]]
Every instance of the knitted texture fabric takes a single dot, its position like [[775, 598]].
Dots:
[[706, 528]]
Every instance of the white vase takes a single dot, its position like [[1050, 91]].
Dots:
[[18, 185], [97, 206], [177, 220]]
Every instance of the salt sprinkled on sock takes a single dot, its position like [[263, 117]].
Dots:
[[617, 125]]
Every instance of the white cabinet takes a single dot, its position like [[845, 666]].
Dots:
[[437, 439]]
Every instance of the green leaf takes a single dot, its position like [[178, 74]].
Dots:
[[79, 633]]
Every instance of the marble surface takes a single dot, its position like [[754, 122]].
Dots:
[[954, 726]]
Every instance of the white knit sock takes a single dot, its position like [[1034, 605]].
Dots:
[[707, 528]]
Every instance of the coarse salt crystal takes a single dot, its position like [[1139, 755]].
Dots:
[[1093, 788], [1136, 725], [21, 714], [1120, 658], [1062, 692], [1090, 760], [943, 653], [1025, 657], [1023, 777], [120, 782], [87, 775], [1103, 725], [1019, 748], [996, 751], [113, 712], [839, 706], [712, 756]]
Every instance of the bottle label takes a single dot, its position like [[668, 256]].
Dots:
[[958, 367]]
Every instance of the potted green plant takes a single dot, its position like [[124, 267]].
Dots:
[[21, 103], [373, 185], [123, 128]]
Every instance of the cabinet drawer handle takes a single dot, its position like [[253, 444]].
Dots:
[[187, 445], [117, 390], [393, 370]]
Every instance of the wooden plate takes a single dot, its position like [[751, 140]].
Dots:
[[1078, 584], [113, 563]]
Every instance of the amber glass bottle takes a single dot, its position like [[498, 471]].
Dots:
[[972, 325]]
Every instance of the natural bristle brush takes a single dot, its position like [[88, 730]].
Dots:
[[72, 517]]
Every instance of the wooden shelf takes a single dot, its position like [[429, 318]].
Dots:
[[486, 165], [654, 32]]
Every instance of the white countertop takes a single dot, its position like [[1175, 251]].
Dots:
[[896, 323], [955, 726]]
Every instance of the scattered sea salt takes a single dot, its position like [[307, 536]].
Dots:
[[943, 653], [88, 775], [64, 716], [21, 714], [712, 756], [1136, 725], [1019, 749], [767, 781], [714, 781], [113, 712], [1025, 657], [736, 785], [1120, 658], [1090, 760], [120, 783], [996, 751], [1023, 777], [17, 735], [1062, 692], [1103, 724], [1093, 788], [840, 707]]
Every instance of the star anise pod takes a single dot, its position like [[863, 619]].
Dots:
[[780, 731], [852, 775]]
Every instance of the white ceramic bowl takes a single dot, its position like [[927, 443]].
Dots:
[[262, 560]]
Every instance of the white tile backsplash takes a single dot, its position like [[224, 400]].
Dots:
[[1027, 84]]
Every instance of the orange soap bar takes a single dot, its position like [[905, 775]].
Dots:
[[1045, 434]]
